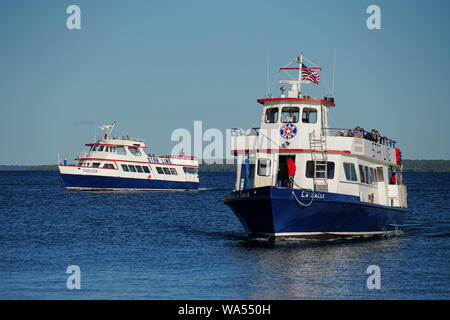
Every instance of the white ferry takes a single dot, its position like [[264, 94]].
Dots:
[[120, 163], [335, 184]]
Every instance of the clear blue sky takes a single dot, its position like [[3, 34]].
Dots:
[[155, 66]]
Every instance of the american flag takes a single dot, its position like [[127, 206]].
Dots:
[[310, 75]]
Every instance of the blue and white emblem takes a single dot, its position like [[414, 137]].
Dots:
[[288, 131]]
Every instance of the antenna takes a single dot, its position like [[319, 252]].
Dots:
[[268, 74], [334, 69]]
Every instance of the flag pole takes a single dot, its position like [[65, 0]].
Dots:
[[300, 64]]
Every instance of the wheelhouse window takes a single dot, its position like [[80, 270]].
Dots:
[[320, 168], [350, 171], [309, 115], [134, 151], [264, 167], [100, 148], [289, 114], [271, 115], [125, 168]]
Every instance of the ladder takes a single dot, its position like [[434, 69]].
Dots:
[[318, 145]]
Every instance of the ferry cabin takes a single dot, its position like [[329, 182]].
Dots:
[[298, 127]]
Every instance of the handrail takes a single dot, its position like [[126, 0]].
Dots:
[[237, 132]]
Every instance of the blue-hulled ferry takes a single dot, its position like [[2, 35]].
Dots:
[[113, 163], [296, 176]]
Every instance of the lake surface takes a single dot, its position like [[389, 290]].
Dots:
[[189, 245]]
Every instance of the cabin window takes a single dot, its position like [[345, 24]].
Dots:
[[166, 170], [108, 165], [368, 177], [121, 151], [125, 168], [132, 168], [139, 169], [173, 171], [96, 164], [362, 174], [146, 170], [264, 167], [350, 171], [100, 148], [289, 114], [159, 170], [271, 115], [93, 148], [373, 175], [310, 169], [309, 115], [134, 151], [380, 176], [190, 170]]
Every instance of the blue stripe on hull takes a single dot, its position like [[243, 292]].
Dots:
[[102, 182], [271, 210]]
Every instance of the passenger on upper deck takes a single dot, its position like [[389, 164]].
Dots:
[[374, 136], [349, 133], [358, 132], [366, 135], [340, 134]]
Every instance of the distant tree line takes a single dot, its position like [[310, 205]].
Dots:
[[408, 165]]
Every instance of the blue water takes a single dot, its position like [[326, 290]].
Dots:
[[189, 245]]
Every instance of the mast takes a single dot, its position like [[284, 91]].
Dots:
[[334, 69]]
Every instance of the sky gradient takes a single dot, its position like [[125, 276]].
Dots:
[[155, 66]]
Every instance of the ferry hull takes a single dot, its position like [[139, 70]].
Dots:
[[93, 182], [273, 211]]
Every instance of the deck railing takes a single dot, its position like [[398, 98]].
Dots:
[[366, 135]]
